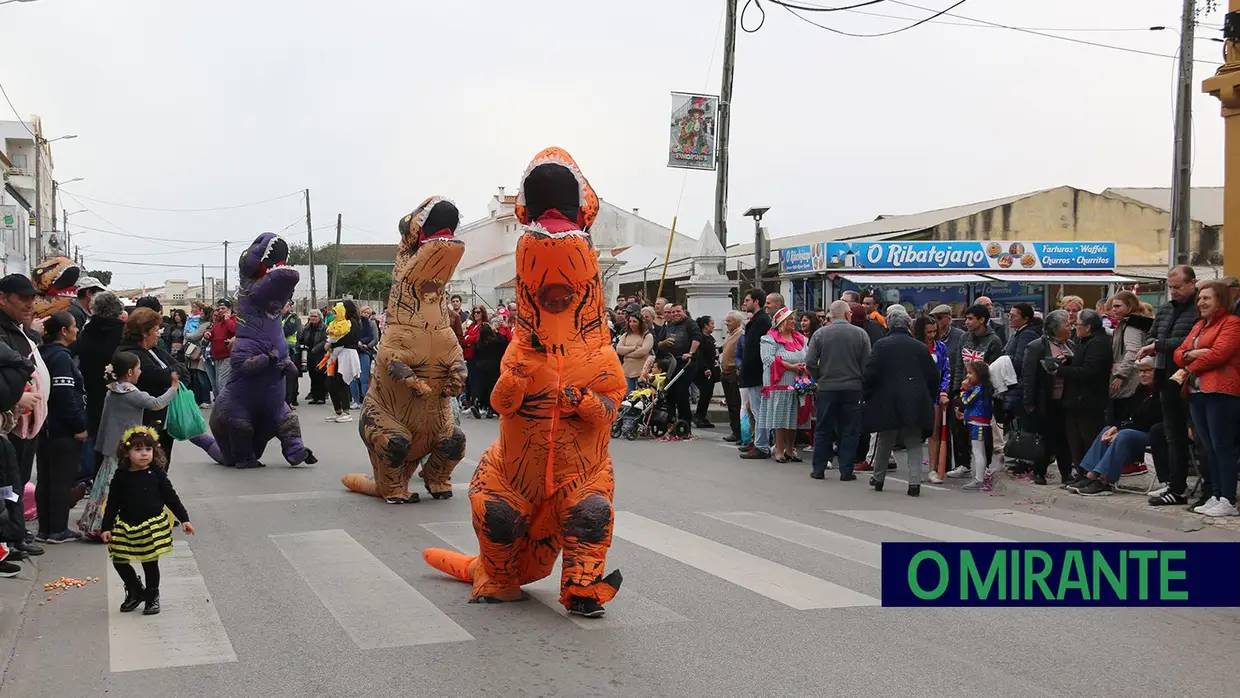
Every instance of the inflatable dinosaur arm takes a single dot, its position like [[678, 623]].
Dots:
[[405, 375], [597, 402], [514, 382]]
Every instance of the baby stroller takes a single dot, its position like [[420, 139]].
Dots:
[[647, 410]]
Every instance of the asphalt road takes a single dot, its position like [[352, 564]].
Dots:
[[741, 579]]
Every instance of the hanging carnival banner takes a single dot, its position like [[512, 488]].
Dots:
[[692, 145]]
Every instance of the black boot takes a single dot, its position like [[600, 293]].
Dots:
[[876, 484], [152, 602], [133, 597], [914, 490]]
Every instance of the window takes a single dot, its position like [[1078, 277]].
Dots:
[[19, 162]]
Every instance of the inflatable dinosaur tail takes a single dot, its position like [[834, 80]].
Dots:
[[362, 483], [452, 563]]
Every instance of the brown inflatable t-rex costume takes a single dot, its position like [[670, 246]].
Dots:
[[55, 280], [547, 483], [407, 414]]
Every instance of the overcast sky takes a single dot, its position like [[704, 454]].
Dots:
[[375, 105]]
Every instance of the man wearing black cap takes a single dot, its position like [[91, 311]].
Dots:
[[17, 310]]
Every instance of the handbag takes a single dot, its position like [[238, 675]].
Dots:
[[193, 352], [184, 420], [1023, 446]]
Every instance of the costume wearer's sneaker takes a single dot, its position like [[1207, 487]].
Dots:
[[1168, 498], [586, 608], [1208, 505], [1222, 507], [1095, 488]]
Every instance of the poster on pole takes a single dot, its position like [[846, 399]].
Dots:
[[692, 143]]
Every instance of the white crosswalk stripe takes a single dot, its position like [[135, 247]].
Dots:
[[628, 608], [921, 527], [1056, 527], [830, 542], [372, 603], [772, 580], [187, 632], [379, 609]]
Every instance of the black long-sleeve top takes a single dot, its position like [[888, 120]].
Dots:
[[66, 406], [137, 495]]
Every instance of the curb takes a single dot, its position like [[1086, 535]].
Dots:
[[1052, 496], [13, 615]]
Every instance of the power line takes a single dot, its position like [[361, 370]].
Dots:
[[914, 25], [189, 210], [20, 119], [1036, 32], [155, 264], [156, 254]]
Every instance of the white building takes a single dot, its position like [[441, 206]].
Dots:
[[18, 146], [487, 272]]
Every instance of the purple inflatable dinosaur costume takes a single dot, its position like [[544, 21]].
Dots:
[[250, 410]]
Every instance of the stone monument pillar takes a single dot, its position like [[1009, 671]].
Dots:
[[709, 291], [609, 266]]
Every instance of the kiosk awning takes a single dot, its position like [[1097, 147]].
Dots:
[[1034, 277], [913, 279]]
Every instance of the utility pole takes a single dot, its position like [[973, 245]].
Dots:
[[1181, 184], [225, 269], [38, 198], [724, 125], [1225, 84], [334, 283], [202, 290], [314, 296]]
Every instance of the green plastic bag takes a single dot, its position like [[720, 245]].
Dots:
[[184, 418]]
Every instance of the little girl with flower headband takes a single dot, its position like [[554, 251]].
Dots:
[[136, 524], [123, 408]]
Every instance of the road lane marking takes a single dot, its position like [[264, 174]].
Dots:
[[924, 483], [822, 540], [920, 527], [628, 609], [372, 603], [188, 631], [772, 580], [1057, 527]]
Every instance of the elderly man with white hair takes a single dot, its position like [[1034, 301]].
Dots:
[[836, 357], [730, 372]]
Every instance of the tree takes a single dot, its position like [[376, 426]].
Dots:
[[365, 283], [105, 277], [299, 254]]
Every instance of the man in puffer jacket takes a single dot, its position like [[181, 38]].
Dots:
[[1172, 323], [15, 371]]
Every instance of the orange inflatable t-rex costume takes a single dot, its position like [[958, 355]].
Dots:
[[407, 414], [547, 483]]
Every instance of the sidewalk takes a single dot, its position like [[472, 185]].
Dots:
[[1128, 503], [15, 593]]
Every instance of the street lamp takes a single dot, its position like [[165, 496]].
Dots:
[[39, 142], [56, 187], [761, 250]]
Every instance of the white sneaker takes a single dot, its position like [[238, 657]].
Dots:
[[960, 472], [355, 406], [1210, 504], [1222, 507], [1162, 489], [332, 418], [346, 417], [934, 479]]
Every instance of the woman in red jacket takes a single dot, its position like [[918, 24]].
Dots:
[[1210, 356], [477, 318]]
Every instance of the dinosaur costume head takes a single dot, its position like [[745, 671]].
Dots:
[[55, 280], [429, 253], [559, 287], [266, 283]]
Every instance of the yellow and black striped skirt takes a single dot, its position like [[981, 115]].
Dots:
[[142, 542]]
